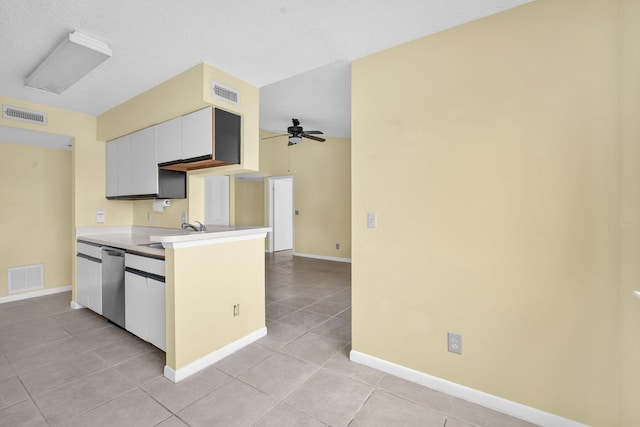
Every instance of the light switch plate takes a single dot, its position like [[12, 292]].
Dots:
[[100, 217]]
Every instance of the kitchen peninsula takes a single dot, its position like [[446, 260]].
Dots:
[[215, 295]]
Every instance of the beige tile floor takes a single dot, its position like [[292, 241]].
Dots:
[[73, 368]]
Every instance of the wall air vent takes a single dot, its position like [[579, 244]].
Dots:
[[26, 278], [24, 115], [225, 93]]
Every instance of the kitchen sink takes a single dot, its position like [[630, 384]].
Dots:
[[155, 245]]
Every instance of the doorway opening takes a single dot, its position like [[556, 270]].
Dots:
[[280, 213], [216, 200]]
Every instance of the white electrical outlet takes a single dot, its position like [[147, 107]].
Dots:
[[454, 342], [372, 220]]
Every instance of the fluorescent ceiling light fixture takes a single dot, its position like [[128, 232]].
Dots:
[[74, 58]]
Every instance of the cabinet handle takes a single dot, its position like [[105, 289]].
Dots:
[[114, 253]]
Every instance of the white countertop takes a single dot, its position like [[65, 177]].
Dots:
[[136, 240], [213, 234], [133, 242]]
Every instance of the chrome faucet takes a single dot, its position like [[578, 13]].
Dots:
[[201, 226]]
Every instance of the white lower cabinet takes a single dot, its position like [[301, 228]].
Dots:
[[135, 306], [82, 277], [145, 306], [157, 333], [89, 284]]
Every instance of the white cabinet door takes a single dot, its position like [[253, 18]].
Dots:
[[144, 164], [197, 134], [157, 313], [145, 308], [169, 138], [89, 284], [95, 286], [82, 281], [135, 306], [123, 164], [111, 150]]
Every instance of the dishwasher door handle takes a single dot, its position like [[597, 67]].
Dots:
[[113, 253]]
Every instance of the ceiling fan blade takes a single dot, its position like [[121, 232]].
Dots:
[[275, 136], [315, 138], [314, 132]]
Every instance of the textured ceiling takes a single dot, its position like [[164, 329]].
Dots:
[[263, 42]]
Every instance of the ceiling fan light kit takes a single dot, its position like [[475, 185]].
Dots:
[[296, 133], [293, 140]]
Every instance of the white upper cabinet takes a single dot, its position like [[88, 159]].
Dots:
[[197, 134], [132, 169], [144, 164], [205, 138], [169, 138], [123, 165], [112, 168]]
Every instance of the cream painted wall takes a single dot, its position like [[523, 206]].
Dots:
[[88, 163], [36, 223], [203, 285], [490, 154], [170, 217], [87, 172], [630, 213], [322, 191], [177, 96], [249, 203]]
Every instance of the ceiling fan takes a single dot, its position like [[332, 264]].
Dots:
[[296, 133]]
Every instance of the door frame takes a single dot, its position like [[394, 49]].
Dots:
[[270, 205]]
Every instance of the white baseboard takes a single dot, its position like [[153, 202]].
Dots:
[[35, 294], [326, 258], [481, 398], [211, 358], [75, 305]]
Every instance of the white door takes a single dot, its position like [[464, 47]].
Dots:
[[282, 213], [216, 200]]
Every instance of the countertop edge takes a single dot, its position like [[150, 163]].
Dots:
[[173, 238], [213, 235]]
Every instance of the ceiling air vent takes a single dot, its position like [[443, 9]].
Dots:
[[15, 113], [225, 93]]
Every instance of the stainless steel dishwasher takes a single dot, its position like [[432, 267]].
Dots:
[[113, 285]]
